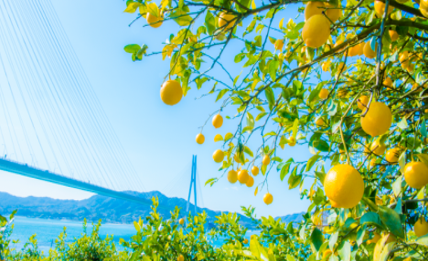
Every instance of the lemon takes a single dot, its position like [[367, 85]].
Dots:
[[255, 170], [388, 83], [180, 258], [380, 8], [375, 238], [362, 102], [392, 155], [416, 174], [313, 8], [320, 122], [181, 221], [326, 254], [226, 20], [393, 35], [279, 44], [421, 227], [232, 176], [316, 31], [266, 160], [250, 181], [200, 138], [377, 120], [377, 148], [245, 241], [323, 94], [344, 186], [404, 59], [292, 141], [333, 12], [243, 176], [171, 92], [217, 121], [154, 21], [268, 198], [218, 156], [368, 51]]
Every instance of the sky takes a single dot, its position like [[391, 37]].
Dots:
[[159, 139]]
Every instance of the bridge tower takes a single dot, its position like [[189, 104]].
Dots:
[[193, 185]]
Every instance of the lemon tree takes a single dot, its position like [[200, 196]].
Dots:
[[347, 79]]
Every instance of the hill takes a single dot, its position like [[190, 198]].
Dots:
[[108, 209]]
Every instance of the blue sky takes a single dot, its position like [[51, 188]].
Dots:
[[159, 139]]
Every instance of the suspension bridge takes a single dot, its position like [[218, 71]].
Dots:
[[52, 125]]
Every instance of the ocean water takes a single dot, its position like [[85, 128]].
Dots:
[[47, 231]]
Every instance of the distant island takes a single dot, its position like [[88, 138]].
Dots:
[[110, 210]]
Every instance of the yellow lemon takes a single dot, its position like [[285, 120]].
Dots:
[[171, 92], [377, 120], [266, 160], [316, 31], [320, 122], [292, 141], [416, 174], [393, 35], [313, 8], [181, 221], [333, 12], [323, 94], [268, 198], [218, 156], [250, 181], [279, 44], [326, 254], [232, 176], [392, 155], [404, 59], [362, 102], [180, 258], [154, 21], [344, 186], [421, 227], [243, 176], [368, 51], [226, 20], [217, 121], [377, 148], [245, 241], [380, 8], [200, 138], [388, 83], [255, 170]]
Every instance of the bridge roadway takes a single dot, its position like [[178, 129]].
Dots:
[[31, 172]]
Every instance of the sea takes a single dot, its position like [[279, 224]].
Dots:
[[47, 230]]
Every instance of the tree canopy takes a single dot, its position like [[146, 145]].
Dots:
[[348, 79]]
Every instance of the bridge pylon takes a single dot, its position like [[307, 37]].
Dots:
[[193, 185]]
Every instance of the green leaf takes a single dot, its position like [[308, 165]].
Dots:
[[392, 220], [248, 151], [402, 161], [423, 158], [261, 115], [371, 218], [210, 23], [396, 186], [344, 251], [239, 57], [403, 124], [132, 48], [333, 239], [312, 161], [285, 170], [221, 93], [295, 127], [317, 239], [270, 97], [423, 240], [2, 219]]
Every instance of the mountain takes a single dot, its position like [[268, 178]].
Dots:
[[110, 210]]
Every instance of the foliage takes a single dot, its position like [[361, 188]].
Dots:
[[280, 94]]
